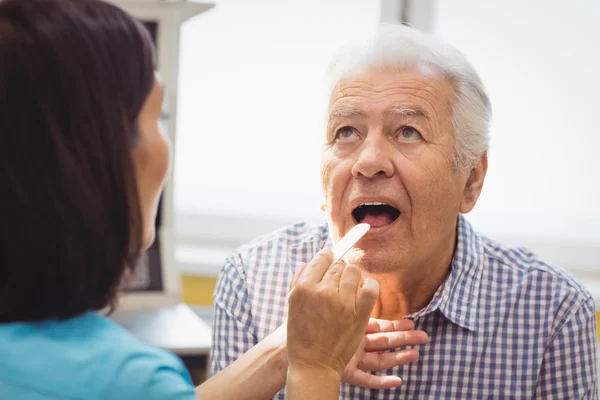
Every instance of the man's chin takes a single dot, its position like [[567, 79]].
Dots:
[[377, 259]]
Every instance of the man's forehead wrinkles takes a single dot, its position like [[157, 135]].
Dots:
[[373, 94], [348, 106]]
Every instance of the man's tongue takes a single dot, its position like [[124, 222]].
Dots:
[[377, 219]]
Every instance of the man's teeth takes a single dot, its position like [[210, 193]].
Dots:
[[373, 204]]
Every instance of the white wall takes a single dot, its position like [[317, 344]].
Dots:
[[540, 61], [250, 118]]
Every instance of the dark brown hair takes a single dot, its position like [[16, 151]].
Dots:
[[74, 75]]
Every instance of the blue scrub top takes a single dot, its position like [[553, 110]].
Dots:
[[88, 357]]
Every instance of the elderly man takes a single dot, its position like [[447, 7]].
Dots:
[[406, 151]]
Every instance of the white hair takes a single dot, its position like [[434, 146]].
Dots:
[[398, 46]]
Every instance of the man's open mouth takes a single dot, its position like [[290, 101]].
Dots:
[[376, 214]]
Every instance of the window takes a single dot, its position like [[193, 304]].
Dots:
[[250, 118], [539, 61]]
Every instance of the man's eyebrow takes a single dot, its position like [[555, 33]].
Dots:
[[408, 111], [344, 112]]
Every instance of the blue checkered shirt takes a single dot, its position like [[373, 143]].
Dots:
[[502, 325]]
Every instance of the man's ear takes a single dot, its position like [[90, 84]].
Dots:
[[474, 185], [322, 201]]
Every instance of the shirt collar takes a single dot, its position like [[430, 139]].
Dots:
[[458, 297]]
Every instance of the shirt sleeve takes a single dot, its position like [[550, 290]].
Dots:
[[569, 368], [169, 384], [152, 376], [232, 332]]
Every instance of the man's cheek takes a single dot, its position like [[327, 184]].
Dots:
[[326, 174]]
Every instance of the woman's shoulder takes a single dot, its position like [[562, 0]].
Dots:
[[89, 357]]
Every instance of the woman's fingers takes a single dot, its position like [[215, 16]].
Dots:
[[299, 271], [316, 268], [333, 276], [348, 285], [367, 296]]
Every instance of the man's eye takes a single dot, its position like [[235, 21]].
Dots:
[[346, 134], [409, 134]]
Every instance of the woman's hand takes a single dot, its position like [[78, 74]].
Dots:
[[328, 316]]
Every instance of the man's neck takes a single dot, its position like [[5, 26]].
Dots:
[[409, 290]]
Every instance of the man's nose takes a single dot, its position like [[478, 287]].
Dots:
[[374, 159]]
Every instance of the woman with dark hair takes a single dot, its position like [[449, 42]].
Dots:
[[82, 164]]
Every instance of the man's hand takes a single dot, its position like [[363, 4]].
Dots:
[[383, 335]]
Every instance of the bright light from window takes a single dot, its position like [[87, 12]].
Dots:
[[250, 120], [540, 61]]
